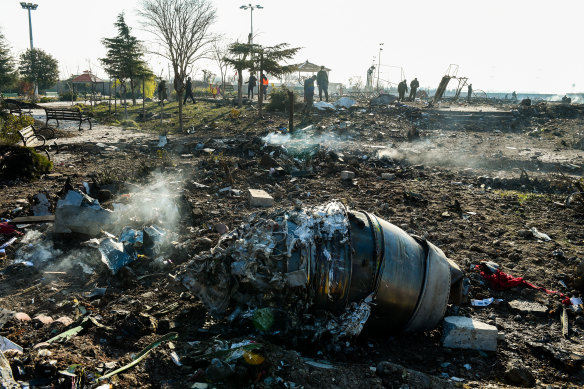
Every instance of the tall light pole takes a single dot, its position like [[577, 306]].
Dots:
[[251, 8], [379, 64], [29, 7]]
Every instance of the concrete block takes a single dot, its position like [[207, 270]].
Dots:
[[260, 198], [347, 175], [464, 332], [388, 176], [528, 307]]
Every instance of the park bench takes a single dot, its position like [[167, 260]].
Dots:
[[17, 108], [66, 114], [32, 138]]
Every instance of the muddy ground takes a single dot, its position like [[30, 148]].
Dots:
[[472, 179]]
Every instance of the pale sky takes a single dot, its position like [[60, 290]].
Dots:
[[523, 45]]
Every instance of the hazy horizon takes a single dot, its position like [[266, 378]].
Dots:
[[501, 46]]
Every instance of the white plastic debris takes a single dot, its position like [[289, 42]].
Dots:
[[540, 235], [175, 358], [323, 105], [484, 302], [345, 102], [162, 141]]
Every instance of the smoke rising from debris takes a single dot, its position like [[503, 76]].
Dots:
[[154, 203]]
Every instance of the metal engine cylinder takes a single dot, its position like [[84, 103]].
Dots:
[[410, 278]]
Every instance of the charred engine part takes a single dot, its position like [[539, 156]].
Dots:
[[351, 263]]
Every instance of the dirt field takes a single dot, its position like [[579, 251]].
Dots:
[[472, 179]]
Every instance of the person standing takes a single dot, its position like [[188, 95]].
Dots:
[[414, 85], [402, 89], [251, 83], [264, 82], [161, 92], [189, 91], [308, 95], [469, 93], [322, 82]]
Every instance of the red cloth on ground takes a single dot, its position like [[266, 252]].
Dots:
[[8, 229], [501, 281]]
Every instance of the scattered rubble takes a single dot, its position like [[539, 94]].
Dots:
[[161, 269]]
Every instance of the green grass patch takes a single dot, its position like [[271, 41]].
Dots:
[[198, 115], [522, 197]]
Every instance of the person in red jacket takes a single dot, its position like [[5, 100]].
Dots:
[[264, 82]]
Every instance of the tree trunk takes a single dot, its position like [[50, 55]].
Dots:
[[133, 89], [222, 84], [179, 88], [125, 102], [143, 99], [239, 85], [261, 88], [291, 113]]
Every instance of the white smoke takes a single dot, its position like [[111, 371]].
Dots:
[[154, 203]]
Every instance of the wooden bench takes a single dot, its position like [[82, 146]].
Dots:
[[31, 138], [66, 114]]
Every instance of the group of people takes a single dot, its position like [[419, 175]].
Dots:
[[322, 81], [402, 89], [188, 89], [252, 83]]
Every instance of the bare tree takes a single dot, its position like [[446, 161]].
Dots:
[[220, 51], [182, 28]]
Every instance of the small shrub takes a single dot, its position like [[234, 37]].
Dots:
[[279, 100], [129, 124], [23, 163], [46, 99], [10, 125], [68, 96]]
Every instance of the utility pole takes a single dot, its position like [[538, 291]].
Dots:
[[379, 64], [251, 8], [29, 7]]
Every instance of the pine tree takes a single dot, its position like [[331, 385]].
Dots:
[[239, 58], [7, 67], [268, 61], [38, 66], [124, 60]]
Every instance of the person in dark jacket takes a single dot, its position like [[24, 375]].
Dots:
[[251, 83], [308, 95], [189, 91], [402, 89], [469, 92], [414, 85], [322, 82], [161, 92]]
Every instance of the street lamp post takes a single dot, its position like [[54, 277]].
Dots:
[[379, 64], [251, 8], [29, 7]]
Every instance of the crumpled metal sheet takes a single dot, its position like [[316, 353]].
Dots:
[[269, 254], [6, 377]]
